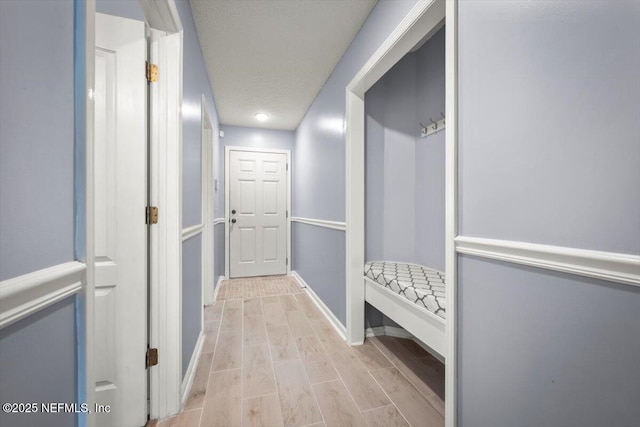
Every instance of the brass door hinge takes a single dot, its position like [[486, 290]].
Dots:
[[151, 215], [152, 72], [151, 358]]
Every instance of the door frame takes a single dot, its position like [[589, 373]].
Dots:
[[165, 159], [422, 20], [208, 132], [165, 241], [227, 151]]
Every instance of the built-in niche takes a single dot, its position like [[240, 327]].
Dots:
[[405, 170]]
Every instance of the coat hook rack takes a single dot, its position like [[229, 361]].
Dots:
[[435, 126]]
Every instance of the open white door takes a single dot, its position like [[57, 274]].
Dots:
[[258, 213], [120, 229]]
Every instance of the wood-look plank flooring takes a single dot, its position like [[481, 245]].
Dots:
[[270, 358]]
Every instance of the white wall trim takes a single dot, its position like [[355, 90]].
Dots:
[[423, 324], [610, 266], [191, 231], [451, 210], [335, 322], [208, 135], [334, 225], [24, 295], [161, 15], [218, 221], [227, 152], [165, 274], [377, 331], [218, 284], [87, 299], [185, 388]]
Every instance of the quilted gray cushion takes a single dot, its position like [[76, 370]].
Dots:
[[418, 284]]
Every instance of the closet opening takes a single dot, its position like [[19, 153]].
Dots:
[[405, 197], [401, 193]]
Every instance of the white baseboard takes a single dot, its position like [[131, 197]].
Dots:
[[218, 283], [394, 331], [333, 320], [187, 382], [374, 332]]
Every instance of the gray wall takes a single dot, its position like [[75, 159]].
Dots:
[[196, 83], [319, 160], [324, 269], [561, 123], [36, 136], [37, 200], [549, 153], [38, 363], [191, 297], [219, 262], [540, 348], [124, 8]]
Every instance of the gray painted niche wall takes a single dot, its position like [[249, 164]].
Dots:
[[405, 185]]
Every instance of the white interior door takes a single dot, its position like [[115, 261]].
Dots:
[[120, 234], [257, 213]]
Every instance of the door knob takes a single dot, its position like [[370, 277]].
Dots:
[[233, 211], [233, 221]]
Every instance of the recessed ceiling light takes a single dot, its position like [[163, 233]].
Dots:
[[262, 117]]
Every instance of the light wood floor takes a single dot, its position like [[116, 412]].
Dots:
[[270, 358]]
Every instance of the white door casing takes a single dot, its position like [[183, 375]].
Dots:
[[120, 231], [208, 203], [257, 213]]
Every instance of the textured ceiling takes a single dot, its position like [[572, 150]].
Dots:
[[273, 56]]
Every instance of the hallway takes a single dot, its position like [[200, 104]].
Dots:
[[271, 358]]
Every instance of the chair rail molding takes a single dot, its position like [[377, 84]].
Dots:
[[334, 225], [610, 266], [27, 294], [191, 231]]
